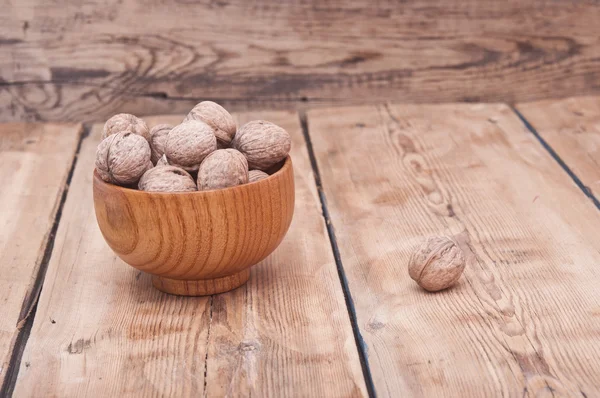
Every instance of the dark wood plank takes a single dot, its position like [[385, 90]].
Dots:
[[572, 128], [88, 61], [35, 160], [524, 318], [101, 329]]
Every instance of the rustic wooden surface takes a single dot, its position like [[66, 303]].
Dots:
[[572, 128], [524, 320], [35, 160], [85, 61], [102, 330]]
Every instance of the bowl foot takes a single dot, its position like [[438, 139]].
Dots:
[[201, 287]]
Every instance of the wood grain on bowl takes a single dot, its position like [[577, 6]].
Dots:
[[208, 238]]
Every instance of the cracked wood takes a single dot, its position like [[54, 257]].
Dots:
[[35, 160], [101, 329], [87, 62], [524, 318]]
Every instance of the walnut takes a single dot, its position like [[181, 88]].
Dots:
[[167, 179], [125, 122], [157, 140], [222, 168], [255, 175], [437, 264], [162, 161], [189, 143], [216, 117], [123, 158], [263, 143]]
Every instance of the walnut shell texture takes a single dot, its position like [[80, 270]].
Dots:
[[222, 168], [263, 143], [255, 175], [157, 140], [216, 117], [123, 122], [167, 179], [189, 143], [437, 264], [123, 158]]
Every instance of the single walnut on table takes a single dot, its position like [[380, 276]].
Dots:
[[216, 117], [263, 143], [167, 179], [123, 158], [437, 264], [222, 168], [125, 122], [189, 143]]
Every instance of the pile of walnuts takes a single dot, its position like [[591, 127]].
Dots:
[[206, 151]]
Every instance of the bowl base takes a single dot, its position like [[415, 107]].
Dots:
[[201, 287]]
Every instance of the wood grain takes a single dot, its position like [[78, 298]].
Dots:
[[524, 318], [197, 243], [102, 330], [34, 163], [88, 61], [572, 128]]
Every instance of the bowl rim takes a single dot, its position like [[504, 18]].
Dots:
[[287, 164]]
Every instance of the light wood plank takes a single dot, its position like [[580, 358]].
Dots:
[[34, 163], [572, 128], [525, 318], [87, 61], [102, 330]]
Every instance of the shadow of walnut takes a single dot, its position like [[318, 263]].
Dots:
[[197, 243]]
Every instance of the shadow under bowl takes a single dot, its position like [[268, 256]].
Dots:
[[197, 243]]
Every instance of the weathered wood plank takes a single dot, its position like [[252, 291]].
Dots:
[[35, 160], [524, 319], [101, 329], [572, 128], [88, 61]]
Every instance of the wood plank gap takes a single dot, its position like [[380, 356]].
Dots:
[[558, 159], [360, 343], [30, 302], [210, 318]]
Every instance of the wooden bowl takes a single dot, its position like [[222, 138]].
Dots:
[[197, 243]]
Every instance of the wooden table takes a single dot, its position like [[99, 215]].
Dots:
[[332, 312]]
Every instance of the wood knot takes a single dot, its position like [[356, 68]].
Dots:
[[375, 324], [79, 346], [246, 346]]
